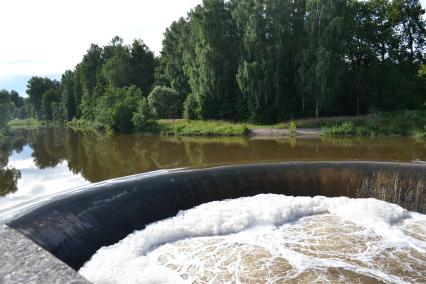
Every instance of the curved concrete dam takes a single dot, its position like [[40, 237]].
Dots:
[[75, 226]]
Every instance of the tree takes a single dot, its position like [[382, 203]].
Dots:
[[49, 104], [166, 102], [17, 100], [322, 64], [142, 66], [191, 107], [407, 17], [36, 87], [172, 60], [68, 98], [115, 109], [5, 108], [144, 118], [212, 70], [116, 69]]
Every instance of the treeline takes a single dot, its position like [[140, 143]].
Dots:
[[250, 60], [12, 106], [270, 60]]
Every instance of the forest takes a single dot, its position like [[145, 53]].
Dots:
[[258, 61]]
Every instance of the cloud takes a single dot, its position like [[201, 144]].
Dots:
[[51, 36]]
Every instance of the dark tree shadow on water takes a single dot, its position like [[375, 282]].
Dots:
[[9, 180]]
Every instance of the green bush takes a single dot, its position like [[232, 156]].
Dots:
[[166, 102], [421, 134], [115, 109], [344, 129], [191, 107], [203, 128], [293, 127], [144, 118]]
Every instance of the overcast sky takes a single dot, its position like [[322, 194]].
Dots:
[[46, 37]]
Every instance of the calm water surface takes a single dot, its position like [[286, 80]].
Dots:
[[38, 163]]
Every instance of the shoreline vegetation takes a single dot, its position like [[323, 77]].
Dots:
[[405, 123], [230, 67]]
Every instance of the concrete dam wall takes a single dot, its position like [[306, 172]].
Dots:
[[75, 226]]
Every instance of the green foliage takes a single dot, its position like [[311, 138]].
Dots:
[[144, 118], [211, 62], [191, 107], [166, 102], [202, 128], [142, 66], [344, 129], [263, 61], [68, 99], [115, 109], [420, 134], [171, 70], [116, 69], [293, 127], [36, 88], [5, 109], [50, 104], [383, 124]]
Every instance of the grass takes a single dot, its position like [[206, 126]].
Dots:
[[25, 123], [404, 123], [420, 134], [180, 127], [323, 121]]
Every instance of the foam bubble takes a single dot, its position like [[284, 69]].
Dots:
[[144, 256]]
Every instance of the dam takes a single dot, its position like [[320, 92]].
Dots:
[[74, 226]]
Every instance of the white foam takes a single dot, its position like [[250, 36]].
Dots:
[[127, 261]]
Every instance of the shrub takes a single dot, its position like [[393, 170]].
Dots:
[[292, 128], [115, 109], [144, 118], [191, 107], [165, 102], [344, 129]]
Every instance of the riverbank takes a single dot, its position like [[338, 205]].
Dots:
[[407, 123]]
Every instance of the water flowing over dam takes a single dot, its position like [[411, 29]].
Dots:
[[73, 227]]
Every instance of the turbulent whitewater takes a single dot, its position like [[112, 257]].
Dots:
[[272, 238]]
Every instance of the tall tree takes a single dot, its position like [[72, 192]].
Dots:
[[172, 62], [68, 96], [142, 66], [36, 87], [49, 103], [321, 68], [407, 17], [5, 108], [212, 73]]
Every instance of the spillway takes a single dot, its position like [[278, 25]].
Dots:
[[73, 227]]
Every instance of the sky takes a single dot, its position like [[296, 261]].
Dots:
[[47, 37]]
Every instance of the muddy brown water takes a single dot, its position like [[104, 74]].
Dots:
[[37, 163]]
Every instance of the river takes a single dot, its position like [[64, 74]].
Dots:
[[289, 239]]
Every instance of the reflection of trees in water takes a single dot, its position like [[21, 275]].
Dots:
[[9, 176], [98, 156], [9, 180]]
